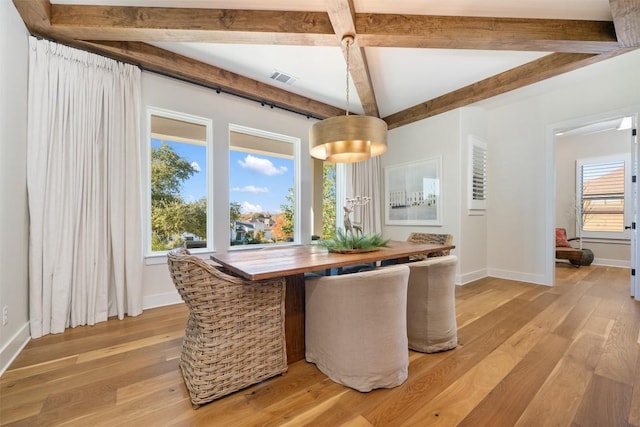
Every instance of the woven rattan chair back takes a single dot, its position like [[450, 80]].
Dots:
[[435, 238], [235, 332]]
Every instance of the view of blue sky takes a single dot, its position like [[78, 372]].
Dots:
[[258, 182]]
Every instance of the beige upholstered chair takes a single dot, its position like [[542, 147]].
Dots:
[[235, 333], [431, 310], [356, 327], [439, 239]]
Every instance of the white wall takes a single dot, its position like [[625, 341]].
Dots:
[[514, 239], [14, 215], [437, 136], [446, 135], [521, 161], [473, 225], [568, 148], [162, 92]]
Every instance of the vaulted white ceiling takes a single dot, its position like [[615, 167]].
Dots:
[[400, 77]]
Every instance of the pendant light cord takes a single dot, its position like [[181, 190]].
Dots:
[[348, 41]]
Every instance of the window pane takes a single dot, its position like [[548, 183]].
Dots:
[[262, 196], [178, 184], [328, 200], [603, 197], [603, 179]]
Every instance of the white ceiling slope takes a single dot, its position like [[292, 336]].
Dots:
[[401, 77]]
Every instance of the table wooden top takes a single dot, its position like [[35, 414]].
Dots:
[[273, 262]]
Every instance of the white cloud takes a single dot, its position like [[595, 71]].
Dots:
[[195, 166], [251, 189], [246, 207], [262, 166]]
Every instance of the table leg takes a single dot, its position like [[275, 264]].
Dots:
[[294, 317]]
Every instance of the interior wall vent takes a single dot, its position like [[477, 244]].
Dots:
[[282, 77]]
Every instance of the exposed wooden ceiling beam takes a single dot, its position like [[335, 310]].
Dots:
[[36, 14], [341, 14], [125, 23], [466, 32], [314, 28], [494, 33], [626, 19], [524, 75]]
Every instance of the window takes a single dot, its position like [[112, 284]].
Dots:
[[264, 183], [328, 200], [601, 186], [477, 174], [178, 208], [328, 196]]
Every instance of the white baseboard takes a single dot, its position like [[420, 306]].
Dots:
[[515, 275], [160, 300], [13, 348], [611, 262], [463, 279]]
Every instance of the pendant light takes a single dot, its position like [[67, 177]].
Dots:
[[348, 138]]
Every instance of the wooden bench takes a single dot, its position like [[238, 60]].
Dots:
[[573, 255]]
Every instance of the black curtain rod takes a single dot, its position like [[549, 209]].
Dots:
[[216, 88], [228, 92]]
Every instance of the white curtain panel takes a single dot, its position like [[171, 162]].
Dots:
[[83, 180], [366, 181]]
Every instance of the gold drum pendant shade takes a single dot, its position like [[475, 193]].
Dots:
[[347, 139]]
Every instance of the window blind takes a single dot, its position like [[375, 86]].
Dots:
[[477, 173], [479, 184], [603, 196]]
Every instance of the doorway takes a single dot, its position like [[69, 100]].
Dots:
[[593, 162]]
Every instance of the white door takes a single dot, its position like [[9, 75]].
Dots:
[[635, 200]]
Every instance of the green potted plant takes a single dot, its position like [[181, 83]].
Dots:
[[352, 239]]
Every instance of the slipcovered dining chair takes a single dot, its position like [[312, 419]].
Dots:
[[431, 305], [235, 332], [356, 327]]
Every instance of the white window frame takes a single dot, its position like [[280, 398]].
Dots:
[[296, 183], [159, 256], [476, 145], [624, 234]]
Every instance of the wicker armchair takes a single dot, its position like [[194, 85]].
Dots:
[[439, 239], [235, 332]]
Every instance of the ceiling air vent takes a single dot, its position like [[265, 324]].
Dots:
[[282, 77]]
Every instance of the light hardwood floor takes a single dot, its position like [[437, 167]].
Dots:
[[528, 356]]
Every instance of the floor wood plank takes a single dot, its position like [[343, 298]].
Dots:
[[528, 355], [508, 400], [559, 397], [606, 403]]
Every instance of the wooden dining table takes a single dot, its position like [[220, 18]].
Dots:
[[292, 262]]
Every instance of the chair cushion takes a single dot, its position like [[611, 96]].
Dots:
[[561, 238]]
